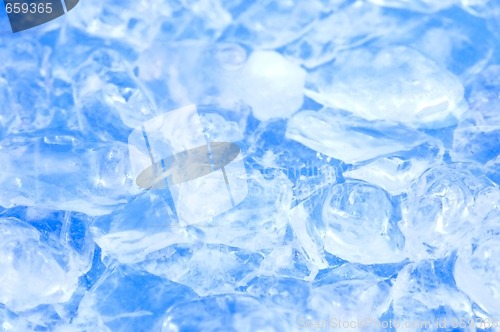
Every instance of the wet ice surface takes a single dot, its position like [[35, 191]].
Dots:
[[366, 187]]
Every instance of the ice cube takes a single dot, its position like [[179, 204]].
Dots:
[[133, 22], [476, 271], [33, 272], [226, 313], [360, 224], [108, 97], [339, 31], [444, 206], [354, 296], [351, 139], [477, 135], [126, 299], [153, 227], [396, 173], [271, 85], [425, 297], [258, 222], [273, 23], [396, 84], [57, 171], [207, 269]]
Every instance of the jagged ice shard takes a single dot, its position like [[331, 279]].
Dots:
[[233, 165]]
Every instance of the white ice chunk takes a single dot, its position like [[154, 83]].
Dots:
[[396, 84], [350, 139], [32, 272], [271, 85]]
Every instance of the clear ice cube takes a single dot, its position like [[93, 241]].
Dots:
[[360, 224]]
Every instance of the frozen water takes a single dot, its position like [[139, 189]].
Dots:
[[425, 294], [444, 206], [396, 173], [343, 136], [477, 136], [271, 85], [106, 82], [127, 300], [224, 74], [57, 171], [226, 313], [135, 22], [33, 272], [360, 224], [338, 31], [347, 293], [273, 23], [395, 84], [476, 270], [153, 227], [417, 5], [368, 170], [206, 269]]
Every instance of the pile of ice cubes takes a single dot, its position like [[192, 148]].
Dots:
[[369, 136]]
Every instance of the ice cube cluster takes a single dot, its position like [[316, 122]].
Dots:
[[370, 137]]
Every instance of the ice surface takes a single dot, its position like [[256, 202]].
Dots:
[[58, 171], [207, 269], [416, 5], [340, 31], [273, 23], [224, 74], [349, 138], [395, 84], [476, 271], [368, 133], [348, 293], [130, 239], [425, 295], [33, 272], [225, 313], [395, 173], [272, 85], [360, 225], [127, 300], [444, 206], [476, 137]]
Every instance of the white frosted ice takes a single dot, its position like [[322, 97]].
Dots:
[[271, 85], [395, 84]]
